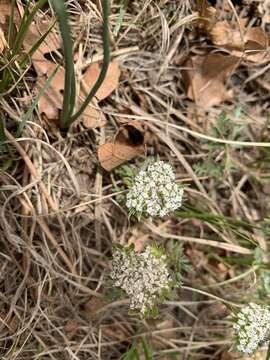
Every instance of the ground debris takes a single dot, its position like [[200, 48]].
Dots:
[[252, 42], [206, 76], [128, 143]]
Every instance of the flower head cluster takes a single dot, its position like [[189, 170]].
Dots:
[[155, 191], [143, 276], [252, 327]]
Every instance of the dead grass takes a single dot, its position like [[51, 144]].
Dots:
[[60, 213]]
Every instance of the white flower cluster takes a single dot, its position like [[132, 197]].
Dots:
[[155, 191], [143, 276], [252, 327]]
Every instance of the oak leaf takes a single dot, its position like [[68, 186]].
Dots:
[[205, 78], [128, 143], [250, 42], [110, 82]]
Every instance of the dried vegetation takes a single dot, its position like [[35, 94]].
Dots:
[[188, 82]]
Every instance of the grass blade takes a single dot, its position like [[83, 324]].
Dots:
[[29, 112], [35, 46], [70, 84], [25, 24]]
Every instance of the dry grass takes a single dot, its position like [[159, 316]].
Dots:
[[60, 213]]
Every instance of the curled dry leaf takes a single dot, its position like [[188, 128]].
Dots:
[[110, 83], [206, 76], [128, 143], [251, 42]]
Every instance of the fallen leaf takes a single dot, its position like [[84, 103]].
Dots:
[[110, 83], [206, 76], [5, 11], [253, 42], [3, 43], [128, 143], [50, 44], [92, 117], [208, 17], [51, 103]]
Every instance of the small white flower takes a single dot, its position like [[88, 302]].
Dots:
[[143, 276], [252, 327], [155, 192]]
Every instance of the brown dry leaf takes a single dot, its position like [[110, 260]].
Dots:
[[128, 143], [5, 11], [253, 42], [3, 43], [50, 44], [92, 117], [208, 17], [110, 83], [51, 102], [206, 77]]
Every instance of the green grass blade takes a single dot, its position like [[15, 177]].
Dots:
[[2, 133], [146, 349], [25, 24], [23, 62], [106, 60], [69, 90], [131, 354], [29, 112], [120, 18], [11, 23]]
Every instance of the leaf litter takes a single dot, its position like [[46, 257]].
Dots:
[[205, 78], [252, 42], [128, 143], [50, 103], [80, 242]]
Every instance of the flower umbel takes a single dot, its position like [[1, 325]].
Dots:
[[155, 192], [143, 276], [252, 327]]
